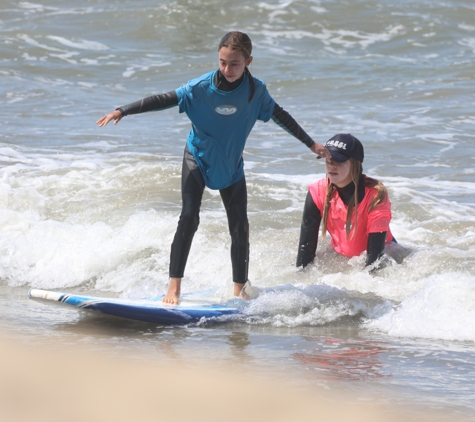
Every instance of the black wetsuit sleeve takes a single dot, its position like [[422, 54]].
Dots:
[[376, 244], [288, 123], [308, 232], [152, 103]]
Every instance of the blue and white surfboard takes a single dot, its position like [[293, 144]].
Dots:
[[146, 310]]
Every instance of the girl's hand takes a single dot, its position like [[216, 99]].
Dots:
[[320, 150], [115, 115]]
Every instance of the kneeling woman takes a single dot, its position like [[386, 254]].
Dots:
[[351, 206]]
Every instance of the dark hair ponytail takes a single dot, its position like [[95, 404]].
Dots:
[[240, 41], [251, 82]]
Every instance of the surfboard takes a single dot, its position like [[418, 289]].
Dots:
[[190, 310]]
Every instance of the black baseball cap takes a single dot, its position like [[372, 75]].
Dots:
[[344, 146]]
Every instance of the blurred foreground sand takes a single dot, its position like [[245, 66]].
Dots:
[[40, 383]]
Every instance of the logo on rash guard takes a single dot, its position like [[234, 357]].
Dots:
[[226, 110]]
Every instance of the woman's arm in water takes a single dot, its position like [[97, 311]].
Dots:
[[308, 232], [152, 103], [375, 249]]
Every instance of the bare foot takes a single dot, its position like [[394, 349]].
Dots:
[[173, 294], [245, 291], [238, 289]]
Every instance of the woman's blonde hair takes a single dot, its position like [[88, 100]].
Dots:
[[356, 173]]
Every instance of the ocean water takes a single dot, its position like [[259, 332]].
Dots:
[[94, 210]]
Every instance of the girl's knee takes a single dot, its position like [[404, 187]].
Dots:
[[189, 222]]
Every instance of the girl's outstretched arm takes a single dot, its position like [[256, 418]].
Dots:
[[115, 115], [288, 123], [152, 103]]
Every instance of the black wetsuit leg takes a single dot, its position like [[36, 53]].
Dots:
[[235, 202], [192, 188]]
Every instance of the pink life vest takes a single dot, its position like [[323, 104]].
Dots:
[[368, 222]]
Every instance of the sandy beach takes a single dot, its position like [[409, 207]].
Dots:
[[44, 383]]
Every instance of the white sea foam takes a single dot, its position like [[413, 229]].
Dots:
[[35, 6], [466, 27], [468, 42], [318, 9], [348, 39], [66, 56], [79, 44], [344, 38], [52, 254], [35, 43], [293, 305], [442, 309], [40, 9]]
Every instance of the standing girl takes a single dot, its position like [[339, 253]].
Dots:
[[223, 107]]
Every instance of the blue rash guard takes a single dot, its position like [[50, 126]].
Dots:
[[221, 122]]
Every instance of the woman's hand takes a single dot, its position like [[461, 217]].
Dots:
[[115, 115], [320, 150]]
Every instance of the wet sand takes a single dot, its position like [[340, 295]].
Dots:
[[47, 383]]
